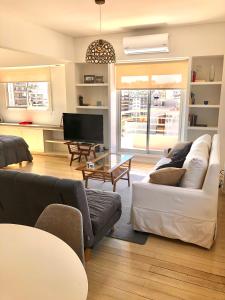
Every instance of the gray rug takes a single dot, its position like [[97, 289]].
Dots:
[[123, 228]]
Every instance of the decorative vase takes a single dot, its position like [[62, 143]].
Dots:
[[192, 98], [212, 73], [194, 75]]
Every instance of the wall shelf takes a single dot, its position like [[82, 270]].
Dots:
[[93, 107], [56, 141], [206, 83], [202, 128], [92, 84], [204, 106]]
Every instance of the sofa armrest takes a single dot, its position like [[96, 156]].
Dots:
[[172, 199]]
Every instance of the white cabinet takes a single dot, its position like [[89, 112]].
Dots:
[[32, 136], [41, 139]]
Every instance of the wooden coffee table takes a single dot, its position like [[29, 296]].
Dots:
[[108, 167]]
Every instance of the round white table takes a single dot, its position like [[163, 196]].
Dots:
[[39, 266]]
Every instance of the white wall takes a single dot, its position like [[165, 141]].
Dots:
[[208, 39], [186, 41], [22, 44], [17, 34], [58, 98], [12, 58]]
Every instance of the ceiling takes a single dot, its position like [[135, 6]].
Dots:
[[81, 17]]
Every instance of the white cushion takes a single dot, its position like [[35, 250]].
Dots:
[[206, 138], [196, 164]]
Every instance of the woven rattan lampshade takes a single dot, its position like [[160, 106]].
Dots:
[[100, 51]]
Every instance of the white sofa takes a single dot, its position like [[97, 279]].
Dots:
[[182, 213]]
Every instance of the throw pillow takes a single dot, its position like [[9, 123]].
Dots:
[[162, 161], [174, 164], [196, 164], [167, 176], [182, 153], [196, 171], [178, 146]]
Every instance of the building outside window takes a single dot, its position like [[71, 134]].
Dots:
[[29, 95], [150, 119]]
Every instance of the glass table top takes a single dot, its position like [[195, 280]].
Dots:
[[106, 162]]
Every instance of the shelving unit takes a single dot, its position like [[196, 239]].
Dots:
[[205, 90], [93, 93], [42, 139]]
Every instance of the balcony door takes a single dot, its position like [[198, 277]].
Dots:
[[149, 119], [150, 97]]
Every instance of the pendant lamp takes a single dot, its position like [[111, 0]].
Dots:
[[100, 51]]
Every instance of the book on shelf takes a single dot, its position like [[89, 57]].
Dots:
[[192, 120]]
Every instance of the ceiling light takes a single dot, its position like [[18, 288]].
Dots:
[[100, 51]]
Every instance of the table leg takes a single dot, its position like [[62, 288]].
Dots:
[[113, 182], [114, 186], [128, 172], [86, 182], [128, 177]]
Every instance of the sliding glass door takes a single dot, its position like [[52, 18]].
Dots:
[[149, 118], [150, 97], [164, 118], [134, 119]]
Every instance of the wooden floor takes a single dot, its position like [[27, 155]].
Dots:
[[161, 269]]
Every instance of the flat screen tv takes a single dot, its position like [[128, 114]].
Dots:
[[83, 128]]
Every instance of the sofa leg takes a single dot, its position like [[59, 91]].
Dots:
[[87, 254]]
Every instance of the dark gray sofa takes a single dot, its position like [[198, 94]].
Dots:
[[23, 197]]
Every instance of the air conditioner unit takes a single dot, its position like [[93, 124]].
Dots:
[[146, 44]]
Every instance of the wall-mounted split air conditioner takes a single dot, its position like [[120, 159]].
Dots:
[[153, 43]]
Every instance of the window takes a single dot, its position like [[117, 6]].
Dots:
[[29, 95], [150, 97], [150, 119]]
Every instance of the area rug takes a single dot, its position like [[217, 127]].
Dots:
[[123, 229]]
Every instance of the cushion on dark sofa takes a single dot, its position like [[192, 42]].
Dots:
[[102, 208]]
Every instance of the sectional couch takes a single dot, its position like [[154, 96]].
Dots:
[[187, 212], [24, 196]]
